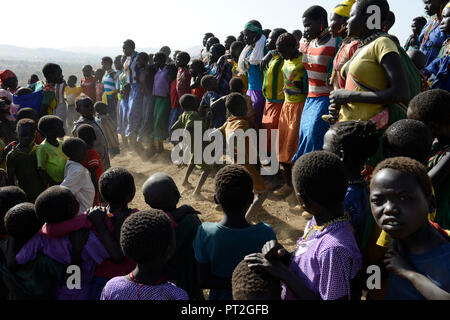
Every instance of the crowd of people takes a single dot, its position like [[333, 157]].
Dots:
[[364, 146]]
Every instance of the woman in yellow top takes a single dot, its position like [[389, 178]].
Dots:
[[374, 76]]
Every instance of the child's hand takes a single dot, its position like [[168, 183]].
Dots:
[[97, 216], [78, 240], [273, 251], [274, 268], [395, 259]]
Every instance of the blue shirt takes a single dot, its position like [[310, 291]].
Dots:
[[356, 204], [435, 265], [439, 68], [255, 77], [224, 248]]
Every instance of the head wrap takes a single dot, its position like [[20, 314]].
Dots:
[[344, 8], [6, 74], [251, 27]]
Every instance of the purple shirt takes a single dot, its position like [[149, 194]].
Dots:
[[326, 261], [161, 86], [120, 288], [59, 249]]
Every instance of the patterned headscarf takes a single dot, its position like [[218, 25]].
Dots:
[[344, 8], [6, 74]]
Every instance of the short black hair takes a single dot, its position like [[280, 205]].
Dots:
[[233, 187], [184, 55], [421, 20], [209, 82], [130, 43], [431, 106], [209, 35], [189, 102], [287, 40], [160, 55], [220, 47], [56, 204], [233, 38], [27, 113], [252, 283], [101, 108], [144, 55], [21, 221], [320, 175], [362, 6], [23, 91], [236, 84], [108, 60], [117, 186], [146, 236], [84, 101], [213, 41], [86, 133], [48, 123], [49, 69], [161, 192], [198, 63], [25, 123], [359, 139], [73, 147], [408, 138], [317, 13], [72, 77], [236, 104], [278, 32], [9, 197], [409, 166], [266, 32], [237, 44]]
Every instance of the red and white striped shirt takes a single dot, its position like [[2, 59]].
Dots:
[[316, 59]]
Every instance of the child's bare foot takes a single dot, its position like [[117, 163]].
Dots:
[[187, 186], [198, 196], [256, 205], [283, 192]]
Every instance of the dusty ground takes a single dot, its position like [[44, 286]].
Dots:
[[288, 224]]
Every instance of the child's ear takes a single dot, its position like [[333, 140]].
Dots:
[[303, 200]]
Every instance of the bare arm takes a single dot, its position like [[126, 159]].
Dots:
[[440, 172]]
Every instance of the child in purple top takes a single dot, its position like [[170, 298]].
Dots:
[[148, 238], [82, 248], [327, 257]]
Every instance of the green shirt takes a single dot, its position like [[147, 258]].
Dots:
[[24, 165], [52, 159]]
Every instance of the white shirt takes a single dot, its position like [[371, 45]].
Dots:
[[78, 179]]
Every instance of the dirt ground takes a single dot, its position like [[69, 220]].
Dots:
[[287, 223]]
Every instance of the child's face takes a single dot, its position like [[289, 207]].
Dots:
[[57, 131], [311, 28], [445, 23], [398, 203], [286, 52], [216, 53], [181, 61], [250, 37], [195, 69], [72, 82], [272, 41], [236, 52], [86, 110], [87, 72], [26, 135], [336, 23], [118, 63]]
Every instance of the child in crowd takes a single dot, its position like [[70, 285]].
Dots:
[[109, 85], [33, 79], [9, 197], [401, 199], [117, 189], [431, 108], [57, 205], [228, 42], [93, 163], [37, 279], [108, 127], [71, 92], [146, 82], [413, 41], [251, 284], [29, 113], [198, 71], [21, 161], [208, 82], [354, 142], [220, 68], [237, 108], [99, 74], [182, 86], [76, 177], [51, 159], [219, 247], [88, 83], [187, 120], [327, 257], [161, 112], [185, 221], [53, 75], [235, 52], [85, 107], [148, 238]]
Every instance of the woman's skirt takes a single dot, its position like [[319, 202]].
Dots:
[[259, 101], [312, 126], [288, 128], [161, 114], [146, 129], [271, 117]]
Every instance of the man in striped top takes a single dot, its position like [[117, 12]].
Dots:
[[109, 85]]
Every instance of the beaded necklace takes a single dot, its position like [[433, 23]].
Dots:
[[316, 229], [369, 39], [140, 285], [436, 22]]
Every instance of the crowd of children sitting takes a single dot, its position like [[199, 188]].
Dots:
[[363, 132]]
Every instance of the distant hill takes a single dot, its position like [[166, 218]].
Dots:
[[26, 61]]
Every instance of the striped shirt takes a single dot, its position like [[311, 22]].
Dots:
[[273, 80], [131, 69], [109, 84], [316, 60]]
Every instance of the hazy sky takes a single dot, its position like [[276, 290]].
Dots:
[[177, 23]]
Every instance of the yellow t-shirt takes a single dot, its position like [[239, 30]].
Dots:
[[72, 94], [294, 71], [366, 69]]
